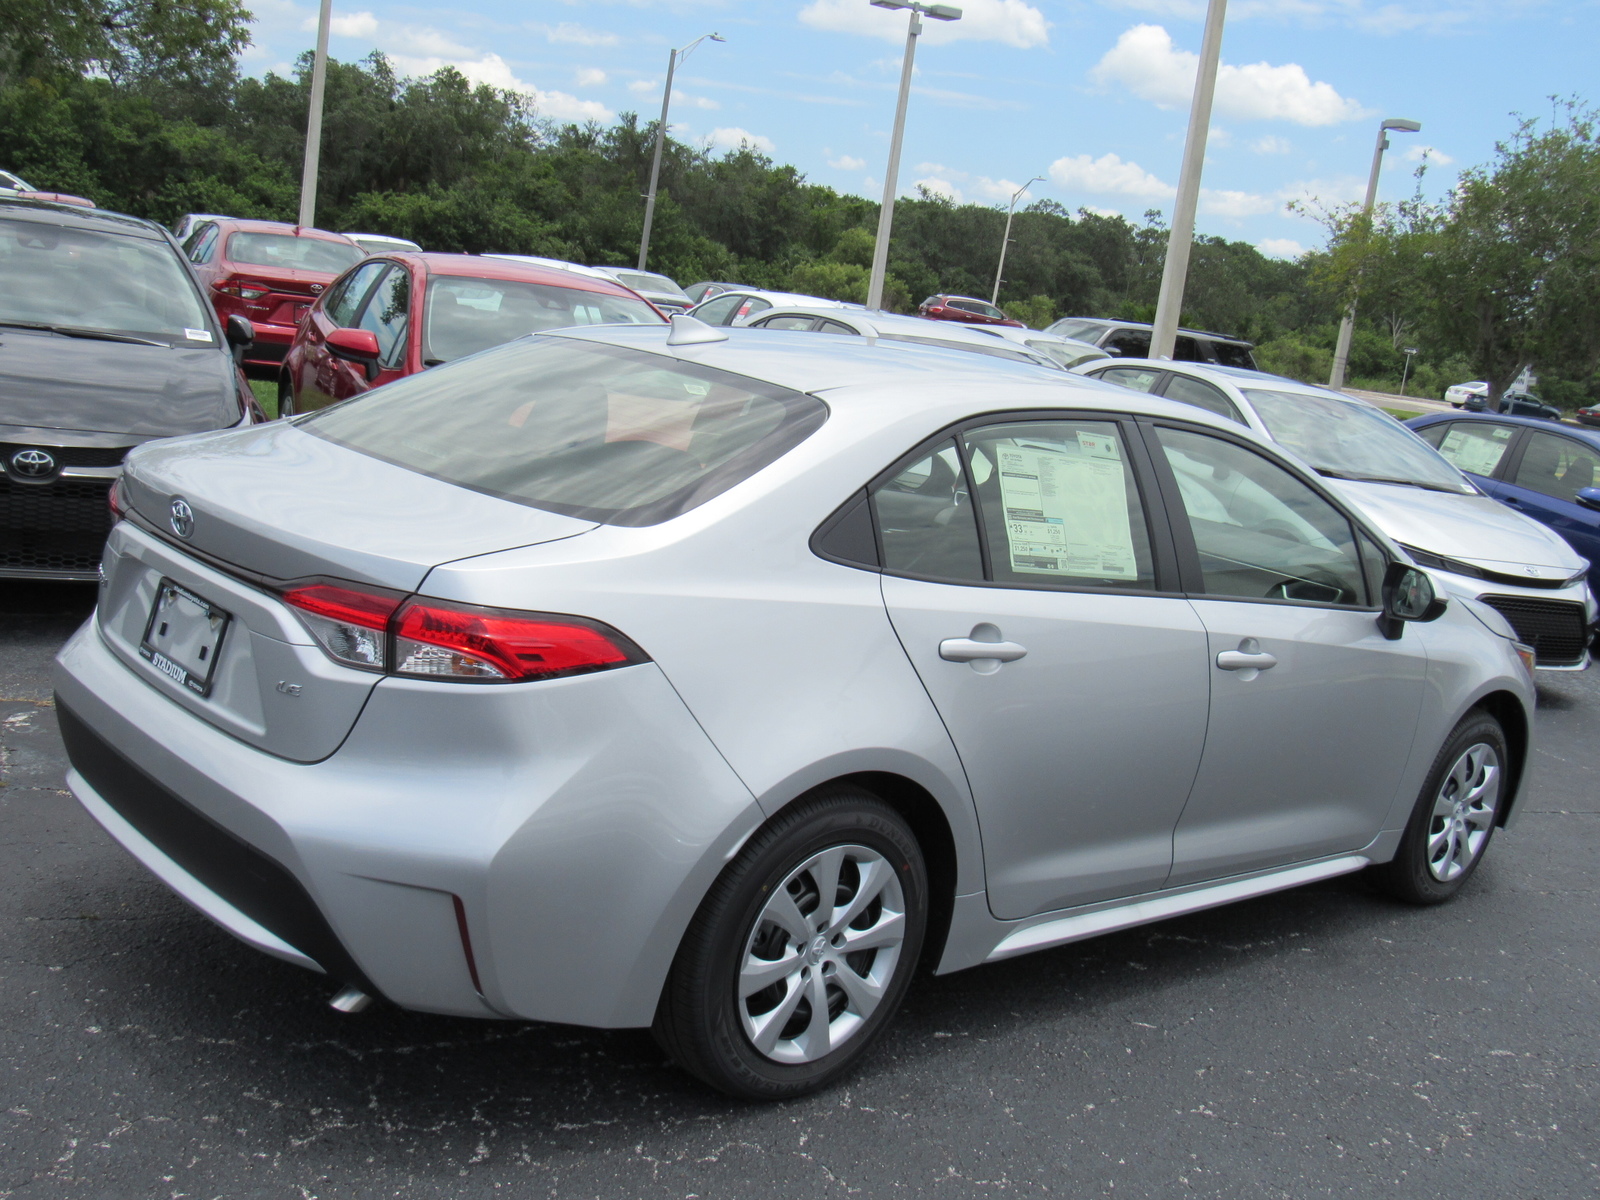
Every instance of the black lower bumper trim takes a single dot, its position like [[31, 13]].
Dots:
[[256, 885]]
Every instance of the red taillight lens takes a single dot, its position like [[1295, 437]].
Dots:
[[352, 626], [245, 291], [459, 641], [114, 501]]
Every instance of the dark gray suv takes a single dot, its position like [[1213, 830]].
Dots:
[[1131, 339]]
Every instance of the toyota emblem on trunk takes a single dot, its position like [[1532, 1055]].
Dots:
[[35, 464], [182, 518], [316, 287]]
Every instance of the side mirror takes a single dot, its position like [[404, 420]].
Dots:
[[240, 334], [1113, 351], [1589, 497], [1408, 595], [357, 346]]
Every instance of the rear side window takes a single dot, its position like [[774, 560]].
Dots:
[[596, 432], [1201, 395], [1140, 379], [1232, 354], [1475, 446], [1130, 343]]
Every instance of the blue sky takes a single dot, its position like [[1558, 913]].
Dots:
[[1092, 95]]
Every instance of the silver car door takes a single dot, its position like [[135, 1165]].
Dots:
[[1313, 710], [1075, 692]]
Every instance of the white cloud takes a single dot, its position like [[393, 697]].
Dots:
[[574, 35], [589, 77], [1146, 62], [1220, 203], [732, 137], [1012, 22], [350, 25], [1384, 18], [427, 43], [954, 183], [939, 187], [493, 70], [1281, 248], [1271, 144], [1435, 156], [1108, 175], [847, 162], [646, 87]]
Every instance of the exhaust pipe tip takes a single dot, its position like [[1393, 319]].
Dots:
[[350, 1000]]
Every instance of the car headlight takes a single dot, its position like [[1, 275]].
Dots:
[[1439, 562]]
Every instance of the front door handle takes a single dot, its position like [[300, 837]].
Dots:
[[967, 650], [1240, 660]]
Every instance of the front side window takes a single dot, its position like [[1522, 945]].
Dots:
[[1475, 446], [1202, 395], [1130, 343], [1260, 532], [387, 314], [293, 253], [344, 297], [718, 310], [597, 432], [1059, 504], [925, 521], [1184, 349], [1557, 466], [83, 279], [466, 315]]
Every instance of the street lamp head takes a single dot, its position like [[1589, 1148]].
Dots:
[[892, 3], [717, 37], [1403, 126], [943, 12]]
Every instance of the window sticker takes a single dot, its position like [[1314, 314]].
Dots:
[[1473, 452], [1066, 509], [197, 335]]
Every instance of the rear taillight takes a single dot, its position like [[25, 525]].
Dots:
[[436, 639], [115, 503], [245, 291], [352, 626]]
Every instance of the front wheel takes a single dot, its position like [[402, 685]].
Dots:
[[285, 398], [802, 951], [1455, 815]]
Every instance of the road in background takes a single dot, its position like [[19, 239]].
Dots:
[[1320, 1042]]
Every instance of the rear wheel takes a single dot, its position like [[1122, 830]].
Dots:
[[285, 397], [1455, 815], [801, 953]]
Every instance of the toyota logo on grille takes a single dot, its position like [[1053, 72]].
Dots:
[[35, 464], [182, 519]]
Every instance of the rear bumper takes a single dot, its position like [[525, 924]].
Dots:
[[529, 851]]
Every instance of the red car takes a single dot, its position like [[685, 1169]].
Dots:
[[396, 314], [270, 273], [965, 308]]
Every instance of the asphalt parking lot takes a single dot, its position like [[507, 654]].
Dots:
[[1323, 1042]]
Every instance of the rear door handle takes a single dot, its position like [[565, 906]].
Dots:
[[966, 650]]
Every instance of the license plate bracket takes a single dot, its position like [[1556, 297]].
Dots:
[[183, 637]]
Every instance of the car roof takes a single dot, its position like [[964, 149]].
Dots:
[[248, 225], [482, 266], [788, 299], [1591, 436], [1112, 322], [100, 220], [1239, 377], [887, 322]]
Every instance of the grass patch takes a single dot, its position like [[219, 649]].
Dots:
[[266, 391], [1401, 414]]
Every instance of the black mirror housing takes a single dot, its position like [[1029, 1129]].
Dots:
[[240, 335], [1408, 595]]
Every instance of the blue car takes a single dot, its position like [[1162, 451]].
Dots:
[[1548, 472]]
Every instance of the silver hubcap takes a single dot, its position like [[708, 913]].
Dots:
[[1463, 812], [821, 954]]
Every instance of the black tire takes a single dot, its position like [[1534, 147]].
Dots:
[[701, 1021], [285, 398], [1414, 874]]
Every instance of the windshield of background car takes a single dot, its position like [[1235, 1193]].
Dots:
[[1083, 331], [292, 253], [596, 432], [55, 275], [643, 281], [1353, 440], [465, 315]]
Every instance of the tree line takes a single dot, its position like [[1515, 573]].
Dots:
[[140, 105]]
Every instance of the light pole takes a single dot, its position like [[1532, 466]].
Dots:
[[1006, 240], [1406, 373], [1175, 271], [673, 59], [319, 80], [1341, 349], [880, 250]]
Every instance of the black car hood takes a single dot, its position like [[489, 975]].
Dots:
[[52, 382]]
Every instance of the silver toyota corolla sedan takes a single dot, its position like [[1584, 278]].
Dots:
[[713, 680], [1476, 546]]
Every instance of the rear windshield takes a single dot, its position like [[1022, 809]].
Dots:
[[110, 283], [466, 315], [292, 253], [1084, 331], [644, 281], [595, 432]]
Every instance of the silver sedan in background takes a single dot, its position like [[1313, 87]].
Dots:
[[712, 680], [1480, 549]]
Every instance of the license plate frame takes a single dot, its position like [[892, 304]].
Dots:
[[183, 636]]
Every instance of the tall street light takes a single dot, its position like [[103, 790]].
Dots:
[[1175, 272], [673, 59], [1006, 240], [319, 80], [880, 250], [1341, 349]]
